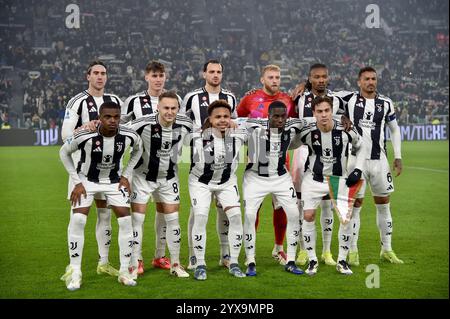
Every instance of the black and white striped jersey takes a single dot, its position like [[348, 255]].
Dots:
[[139, 105], [82, 109], [162, 146], [329, 151], [267, 147], [370, 116], [303, 104], [197, 102], [101, 157], [215, 158]]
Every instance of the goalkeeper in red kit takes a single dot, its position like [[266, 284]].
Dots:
[[256, 105]]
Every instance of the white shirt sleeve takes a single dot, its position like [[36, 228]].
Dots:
[[396, 138], [135, 155], [70, 146]]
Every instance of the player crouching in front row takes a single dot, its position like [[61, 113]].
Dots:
[[100, 171]]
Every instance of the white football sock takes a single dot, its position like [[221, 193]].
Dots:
[[160, 235], [103, 231], [126, 241], [199, 234], [345, 238], [222, 227], [235, 233], [75, 238], [356, 225], [309, 238], [326, 222], [250, 234], [173, 234], [190, 226], [384, 222], [292, 231], [138, 234], [300, 233]]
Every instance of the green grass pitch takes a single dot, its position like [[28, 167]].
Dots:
[[35, 214]]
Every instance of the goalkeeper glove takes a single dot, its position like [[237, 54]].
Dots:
[[354, 177]]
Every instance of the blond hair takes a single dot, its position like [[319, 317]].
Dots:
[[270, 67]]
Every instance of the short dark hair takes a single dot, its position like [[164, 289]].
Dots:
[[317, 66], [212, 61], [366, 69], [108, 105], [321, 99], [216, 104], [170, 95], [276, 105], [155, 66], [93, 63]]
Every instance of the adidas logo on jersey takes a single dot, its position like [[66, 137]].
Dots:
[[204, 104], [317, 143], [92, 109], [156, 135], [146, 106], [97, 149]]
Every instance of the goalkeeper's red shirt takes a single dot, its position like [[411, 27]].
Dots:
[[257, 104]]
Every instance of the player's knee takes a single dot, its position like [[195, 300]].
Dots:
[[250, 214], [78, 220], [100, 203], [358, 202], [121, 211], [309, 215], [233, 211], [381, 199]]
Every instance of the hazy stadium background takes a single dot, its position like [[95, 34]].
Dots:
[[42, 65]]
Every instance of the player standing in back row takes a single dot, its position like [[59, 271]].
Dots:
[[317, 86], [80, 110], [196, 104]]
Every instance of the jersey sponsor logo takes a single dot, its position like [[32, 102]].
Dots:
[[166, 145], [204, 104], [327, 158], [105, 166], [367, 122], [146, 106], [164, 153], [92, 109], [97, 149]]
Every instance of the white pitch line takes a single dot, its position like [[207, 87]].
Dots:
[[429, 169]]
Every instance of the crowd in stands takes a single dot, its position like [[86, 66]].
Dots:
[[48, 60]]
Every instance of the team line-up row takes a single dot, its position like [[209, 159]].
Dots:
[[93, 158]]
